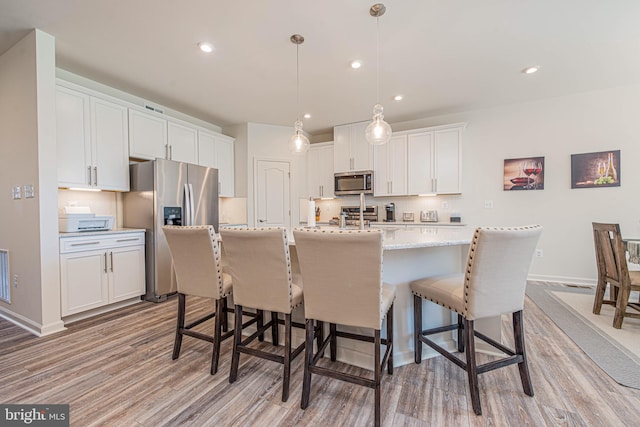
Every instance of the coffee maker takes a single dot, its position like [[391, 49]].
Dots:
[[390, 212]]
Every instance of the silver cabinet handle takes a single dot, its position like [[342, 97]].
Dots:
[[219, 187], [85, 244], [89, 175], [111, 256], [166, 152], [171, 152], [390, 187], [133, 239], [95, 175], [105, 263], [435, 184]]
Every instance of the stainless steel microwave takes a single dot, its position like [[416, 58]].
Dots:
[[347, 183]]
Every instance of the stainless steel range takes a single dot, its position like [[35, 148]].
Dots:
[[353, 214]]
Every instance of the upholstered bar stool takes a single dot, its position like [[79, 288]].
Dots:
[[614, 271], [342, 275], [196, 260], [493, 284], [260, 265]]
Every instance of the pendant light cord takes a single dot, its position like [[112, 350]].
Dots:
[[377, 59], [298, 81]]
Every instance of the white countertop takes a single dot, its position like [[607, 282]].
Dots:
[[102, 232]]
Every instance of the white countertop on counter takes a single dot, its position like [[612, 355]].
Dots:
[[102, 232], [417, 224]]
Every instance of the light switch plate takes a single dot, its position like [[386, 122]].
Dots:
[[29, 192], [16, 192]]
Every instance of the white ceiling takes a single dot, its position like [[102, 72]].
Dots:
[[442, 55]]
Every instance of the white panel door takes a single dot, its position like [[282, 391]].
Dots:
[[147, 136], [272, 194], [73, 138], [183, 143], [419, 163], [110, 143]]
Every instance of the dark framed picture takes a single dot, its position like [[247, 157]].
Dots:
[[526, 173], [595, 170]]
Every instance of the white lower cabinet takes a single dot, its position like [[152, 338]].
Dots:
[[100, 269]]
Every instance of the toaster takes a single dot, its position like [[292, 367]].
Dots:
[[428, 216]]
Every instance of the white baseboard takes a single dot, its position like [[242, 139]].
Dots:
[[30, 326]]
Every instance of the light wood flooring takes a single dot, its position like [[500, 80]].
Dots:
[[116, 370]]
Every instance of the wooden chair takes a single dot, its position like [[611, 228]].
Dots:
[[342, 275], [493, 284], [260, 265], [613, 270], [196, 260]]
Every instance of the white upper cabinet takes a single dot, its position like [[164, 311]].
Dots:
[[320, 170], [183, 142], [147, 136], [92, 142], [390, 167], [216, 151], [351, 151], [433, 160]]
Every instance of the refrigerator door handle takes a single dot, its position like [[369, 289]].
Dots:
[[191, 207], [187, 206]]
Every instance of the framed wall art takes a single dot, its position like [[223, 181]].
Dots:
[[526, 173], [595, 170]]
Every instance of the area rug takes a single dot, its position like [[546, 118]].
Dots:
[[617, 352]]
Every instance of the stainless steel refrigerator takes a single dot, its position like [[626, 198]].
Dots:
[[164, 192]]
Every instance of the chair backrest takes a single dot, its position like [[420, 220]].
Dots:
[[342, 275], [610, 254], [260, 267], [196, 260], [497, 268]]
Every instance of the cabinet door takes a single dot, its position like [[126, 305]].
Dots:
[[73, 138], [361, 150], [419, 163], [381, 170], [126, 270], [226, 169], [147, 136], [341, 148], [83, 280], [447, 161], [110, 145], [320, 171], [183, 143], [397, 166], [207, 150]]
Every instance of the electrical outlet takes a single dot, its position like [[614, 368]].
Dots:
[[445, 205], [539, 253], [15, 280], [488, 204]]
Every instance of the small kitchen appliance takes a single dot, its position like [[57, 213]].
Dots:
[[352, 183], [429, 216], [80, 218], [407, 216], [352, 214], [390, 212]]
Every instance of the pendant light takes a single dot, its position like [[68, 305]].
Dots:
[[298, 143], [378, 132]]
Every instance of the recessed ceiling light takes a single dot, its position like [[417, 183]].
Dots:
[[531, 70], [205, 47], [356, 64], [307, 116], [398, 98]]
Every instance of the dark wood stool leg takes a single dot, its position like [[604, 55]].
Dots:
[[518, 338], [390, 340], [319, 335], [472, 368], [225, 319], [275, 337], [217, 333], [287, 357], [237, 338], [460, 334], [179, 326], [308, 362], [260, 323], [417, 328], [377, 375], [333, 341]]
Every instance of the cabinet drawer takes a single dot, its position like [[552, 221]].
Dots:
[[98, 242]]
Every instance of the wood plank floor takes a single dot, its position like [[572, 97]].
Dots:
[[116, 370]]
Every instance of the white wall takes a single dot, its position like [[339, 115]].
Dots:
[[554, 128], [29, 229]]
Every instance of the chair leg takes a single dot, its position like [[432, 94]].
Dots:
[[260, 323], [460, 334], [308, 362], [333, 341], [179, 326], [237, 338], [472, 368], [275, 337], [319, 331], [225, 320], [518, 338], [621, 307], [417, 328], [599, 297], [287, 357], [217, 334], [390, 340], [377, 375]]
